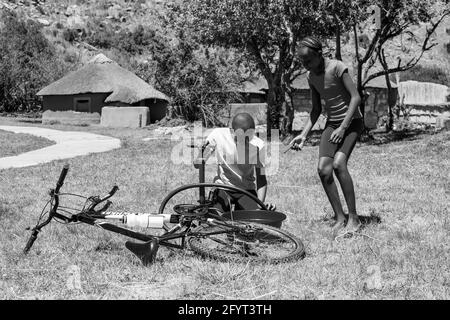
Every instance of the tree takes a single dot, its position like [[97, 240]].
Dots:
[[199, 80], [28, 62], [397, 20], [268, 32]]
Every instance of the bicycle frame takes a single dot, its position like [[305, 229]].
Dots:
[[96, 218], [145, 251]]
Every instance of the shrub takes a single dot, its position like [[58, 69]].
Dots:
[[70, 35], [28, 62], [199, 81]]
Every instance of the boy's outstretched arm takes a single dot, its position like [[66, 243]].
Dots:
[[299, 140]]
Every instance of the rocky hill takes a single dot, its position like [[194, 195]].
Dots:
[[79, 16]]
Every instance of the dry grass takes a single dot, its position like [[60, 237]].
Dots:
[[16, 143], [406, 184]]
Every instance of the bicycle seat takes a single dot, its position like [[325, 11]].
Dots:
[[145, 251]]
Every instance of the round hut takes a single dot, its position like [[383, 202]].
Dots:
[[103, 83]]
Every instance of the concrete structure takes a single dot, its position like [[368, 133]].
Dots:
[[100, 83], [131, 117], [443, 122], [432, 115], [423, 93], [70, 117]]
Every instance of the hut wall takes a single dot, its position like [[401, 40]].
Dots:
[[158, 109], [66, 102]]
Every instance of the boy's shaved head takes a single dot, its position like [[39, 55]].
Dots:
[[243, 121]]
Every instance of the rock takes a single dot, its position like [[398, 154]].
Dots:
[[74, 22], [40, 9], [443, 123], [176, 132], [44, 22]]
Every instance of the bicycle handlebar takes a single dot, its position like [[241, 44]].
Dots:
[[31, 240], [97, 200], [54, 193], [62, 177], [109, 195]]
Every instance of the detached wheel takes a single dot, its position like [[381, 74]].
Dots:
[[246, 242]]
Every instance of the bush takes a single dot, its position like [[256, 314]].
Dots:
[[199, 81], [133, 42], [28, 62], [70, 35]]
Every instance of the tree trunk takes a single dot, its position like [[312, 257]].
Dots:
[[275, 103], [288, 113], [391, 104], [338, 54], [361, 90]]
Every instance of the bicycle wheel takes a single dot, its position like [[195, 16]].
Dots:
[[246, 242]]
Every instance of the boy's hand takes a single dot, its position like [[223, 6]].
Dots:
[[337, 135], [271, 206], [297, 143]]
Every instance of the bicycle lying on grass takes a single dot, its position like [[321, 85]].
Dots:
[[199, 226]]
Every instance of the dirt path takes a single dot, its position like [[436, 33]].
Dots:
[[69, 144]]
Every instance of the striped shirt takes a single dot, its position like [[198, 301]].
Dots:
[[332, 90]]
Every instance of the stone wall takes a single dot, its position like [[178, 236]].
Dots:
[[428, 114], [376, 108], [425, 103], [70, 117]]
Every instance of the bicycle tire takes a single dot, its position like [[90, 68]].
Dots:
[[229, 251]]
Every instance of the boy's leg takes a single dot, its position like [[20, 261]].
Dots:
[[325, 170], [342, 173], [222, 200], [246, 203], [327, 151], [346, 182]]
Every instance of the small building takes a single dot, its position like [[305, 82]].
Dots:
[[102, 82], [253, 91]]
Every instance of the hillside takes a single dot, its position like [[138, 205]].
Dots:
[[65, 23], [81, 16]]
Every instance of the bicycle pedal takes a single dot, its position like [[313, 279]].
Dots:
[[146, 251]]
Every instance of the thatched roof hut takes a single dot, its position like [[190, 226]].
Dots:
[[102, 82]]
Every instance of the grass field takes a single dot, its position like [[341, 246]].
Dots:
[[406, 184], [16, 143]]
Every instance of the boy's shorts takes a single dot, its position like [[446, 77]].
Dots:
[[239, 200], [329, 149]]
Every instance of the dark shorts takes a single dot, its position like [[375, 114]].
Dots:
[[223, 199], [329, 149]]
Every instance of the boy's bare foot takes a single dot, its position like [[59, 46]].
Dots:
[[337, 220], [339, 224], [353, 224]]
